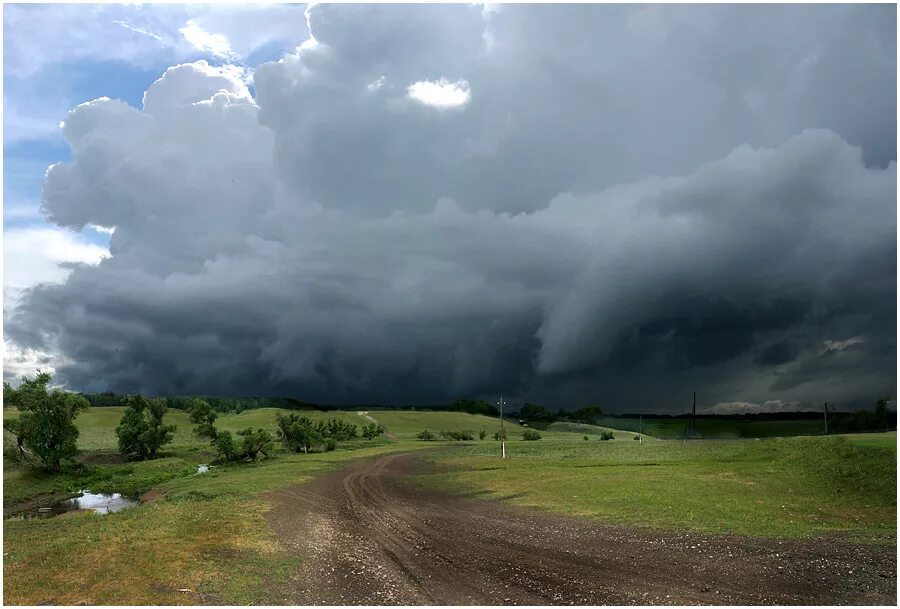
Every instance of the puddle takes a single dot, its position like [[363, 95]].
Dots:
[[202, 469], [101, 503]]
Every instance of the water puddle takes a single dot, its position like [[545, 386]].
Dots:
[[101, 503]]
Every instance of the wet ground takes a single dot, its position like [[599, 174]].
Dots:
[[101, 503], [367, 536]]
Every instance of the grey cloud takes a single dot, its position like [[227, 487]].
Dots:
[[338, 242]]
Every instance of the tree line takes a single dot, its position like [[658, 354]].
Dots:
[[46, 434]]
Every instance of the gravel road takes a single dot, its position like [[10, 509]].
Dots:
[[368, 536]]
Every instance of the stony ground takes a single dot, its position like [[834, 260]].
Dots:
[[368, 536]]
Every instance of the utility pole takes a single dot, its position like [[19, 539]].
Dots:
[[640, 429], [502, 431], [694, 415], [826, 418]]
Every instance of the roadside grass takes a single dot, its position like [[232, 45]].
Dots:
[[792, 488], [204, 539]]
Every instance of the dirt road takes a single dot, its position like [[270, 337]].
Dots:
[[368, 536]]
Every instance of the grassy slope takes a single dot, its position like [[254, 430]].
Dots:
[[785, 487]]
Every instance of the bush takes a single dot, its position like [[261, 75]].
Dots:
[[637, 438], [460, 436], [482, 434], [425, 436], [336, 429], [531, 435], [46, 425], [498, 435], [607, 435], [372, 431], [585, 438], [330, 445], [141, 432]]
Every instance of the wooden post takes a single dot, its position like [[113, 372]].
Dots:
[[826, 418]]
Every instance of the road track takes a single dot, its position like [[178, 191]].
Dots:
[[366, 535]]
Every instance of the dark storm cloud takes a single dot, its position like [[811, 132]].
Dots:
[[336, 238]]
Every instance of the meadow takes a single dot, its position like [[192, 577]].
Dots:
[[786, 487], [722, 429], [204, 538]]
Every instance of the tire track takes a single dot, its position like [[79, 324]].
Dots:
[[368, 536]]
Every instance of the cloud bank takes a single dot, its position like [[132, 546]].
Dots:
[[624, 204]]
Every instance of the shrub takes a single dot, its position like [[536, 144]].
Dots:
[[425, 436], [330, 444], [338, 430], [482, 434], [461, 436], [585, 438], [498, 436], [637, 438], [372, 431], [607, 435], [531, 434], [141, 432], [46, 425]]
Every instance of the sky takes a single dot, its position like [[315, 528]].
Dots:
[[572, 205]]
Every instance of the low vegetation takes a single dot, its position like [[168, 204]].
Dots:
[[792, 487]]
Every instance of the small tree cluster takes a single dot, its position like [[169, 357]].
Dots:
[[531, 435], [253, 443], [457, 435], [45, 428], [372, 430], [141, 432], [297, 433], [425, 436], [607, 435], [337, 430]]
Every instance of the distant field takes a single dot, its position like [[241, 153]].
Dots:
[[406, 424], [878, 440], [792, 487], [718, 429]]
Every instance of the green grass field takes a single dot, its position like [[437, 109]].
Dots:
[[205, 538], [669, 429], [793, 487]]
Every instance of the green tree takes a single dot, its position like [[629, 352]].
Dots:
[[141, 431], [256, 442], [46, 426], [203, 417], [298, 434], [226, 450]]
